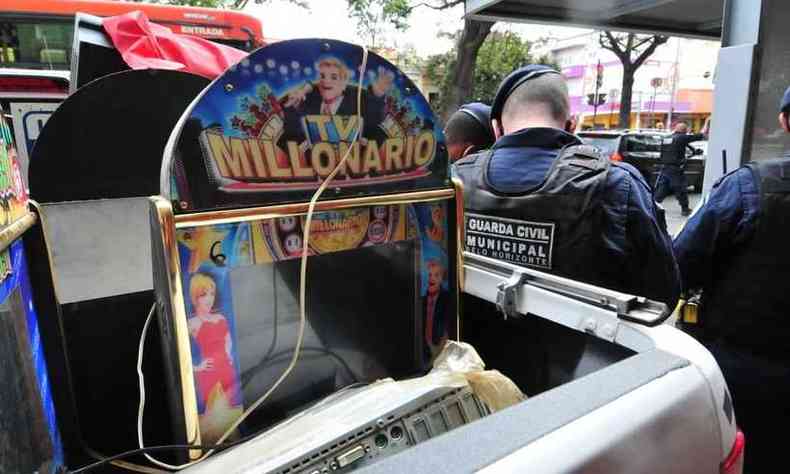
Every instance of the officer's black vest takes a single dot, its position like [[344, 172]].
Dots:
[[556, 227], [747, 303]]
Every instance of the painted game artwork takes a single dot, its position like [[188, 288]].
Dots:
[[31, 438], [280, 120], [13, 195], [381, 308]]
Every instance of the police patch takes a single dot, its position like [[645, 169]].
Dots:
[[529, 244]]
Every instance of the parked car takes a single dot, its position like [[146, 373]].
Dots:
[[642, 149]]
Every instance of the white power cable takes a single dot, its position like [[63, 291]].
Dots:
[[302, 302]]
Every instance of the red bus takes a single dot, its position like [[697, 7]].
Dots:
[[35, 51], [37, 34]]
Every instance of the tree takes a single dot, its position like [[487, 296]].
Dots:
[[234, 4], [372, 16], [499, 55], [463, 71], [632, 50], [468, 44], [195, 3]]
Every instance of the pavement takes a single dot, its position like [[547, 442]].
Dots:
[[675, 221]]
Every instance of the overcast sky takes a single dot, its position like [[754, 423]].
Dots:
[[329, 19]]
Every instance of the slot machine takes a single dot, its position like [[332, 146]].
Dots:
[[228, 234]]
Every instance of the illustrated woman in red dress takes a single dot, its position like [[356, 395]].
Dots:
[[217, 380]]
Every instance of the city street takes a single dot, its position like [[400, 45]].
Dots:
[[675, 220]]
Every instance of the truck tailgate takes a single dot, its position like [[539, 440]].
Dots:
[[648, 413]]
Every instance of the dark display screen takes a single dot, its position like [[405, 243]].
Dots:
[[360, 325]]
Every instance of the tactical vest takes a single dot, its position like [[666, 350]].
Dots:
[[556, 227], [748, 301]]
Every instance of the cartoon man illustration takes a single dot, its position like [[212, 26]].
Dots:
[[435, 303], [333, 94], [436, 231]]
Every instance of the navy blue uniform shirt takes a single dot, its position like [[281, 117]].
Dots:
[[633, 226], [728, 218]]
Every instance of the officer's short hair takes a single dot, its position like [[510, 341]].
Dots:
[[549, 91], [463, 128]]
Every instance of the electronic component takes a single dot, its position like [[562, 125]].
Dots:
[[356, 427]]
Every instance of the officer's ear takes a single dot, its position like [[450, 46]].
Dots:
[[498, 132], [783, 122], [570, 124]]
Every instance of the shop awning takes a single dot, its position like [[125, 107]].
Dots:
[[693, 18]]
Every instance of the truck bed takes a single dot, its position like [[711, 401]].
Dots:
[[606, 395]]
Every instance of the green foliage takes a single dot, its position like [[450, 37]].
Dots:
[[196, 3], [500, 54]]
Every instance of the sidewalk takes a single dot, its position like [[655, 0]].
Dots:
[[675, 221]]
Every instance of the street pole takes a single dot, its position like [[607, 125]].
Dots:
[[639, 112], [674, 85], [597, 87], [655, 83]]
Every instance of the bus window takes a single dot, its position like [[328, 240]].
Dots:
[[35, 45]]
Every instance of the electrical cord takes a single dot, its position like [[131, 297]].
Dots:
[[302, 304], [178, 447], [129, 466], [151, 449]]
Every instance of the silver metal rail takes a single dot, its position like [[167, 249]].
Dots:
[[518, 291]]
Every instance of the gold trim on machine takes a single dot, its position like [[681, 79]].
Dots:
[[15, 230], [167, 226], [460, 228], [460, 231], [270, 212]]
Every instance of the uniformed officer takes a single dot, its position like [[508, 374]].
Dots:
[[734, 249], [540, 199], [469, 130], [672, 178]]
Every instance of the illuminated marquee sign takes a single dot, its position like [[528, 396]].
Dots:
[[255, 160], [282, 119]]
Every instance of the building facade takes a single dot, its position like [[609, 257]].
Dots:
[[675, 83]]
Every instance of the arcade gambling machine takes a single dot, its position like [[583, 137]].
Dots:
[[31, 440], [382, 279]]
